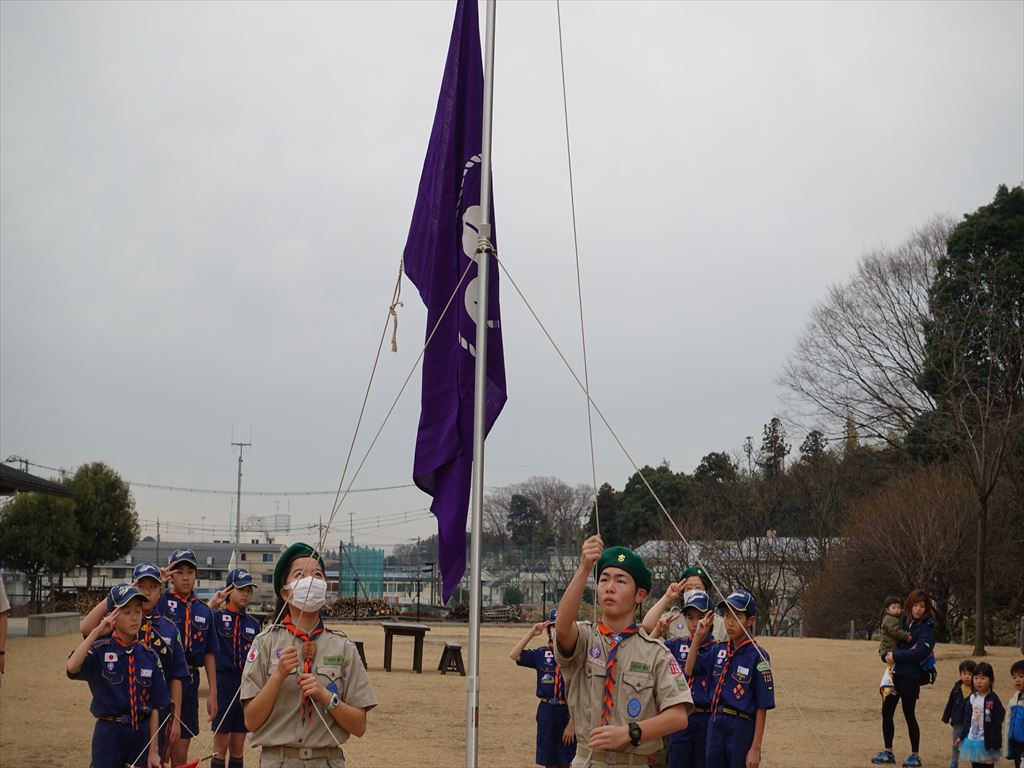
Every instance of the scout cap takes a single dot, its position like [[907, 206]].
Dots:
[[699, 600], [296, 550], [180, 556], [122, 594], [741, 601], [700, 573], [552, 614], [146, 571], [627, 560], [239, 578]]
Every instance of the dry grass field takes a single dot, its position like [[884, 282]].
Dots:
[[826, 690]]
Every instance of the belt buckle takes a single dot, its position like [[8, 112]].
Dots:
[[305, 753]]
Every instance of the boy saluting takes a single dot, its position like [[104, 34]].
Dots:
[[626, 690]]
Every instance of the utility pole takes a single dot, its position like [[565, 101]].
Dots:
[[238, 500], [158, 540]]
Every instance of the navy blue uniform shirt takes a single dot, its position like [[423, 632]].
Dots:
[[160, 635], [115, 671], [740, 679], [235, 633], [699, 681], [543, 660], [194, 621]]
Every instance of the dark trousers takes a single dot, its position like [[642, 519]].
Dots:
[[729, 740], [688, 748], [115, 745], [906, 691]]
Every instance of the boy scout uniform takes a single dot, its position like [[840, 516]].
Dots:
[[647, 679], [287, 742]]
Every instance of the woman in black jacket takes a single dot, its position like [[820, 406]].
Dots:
[[906, 678]]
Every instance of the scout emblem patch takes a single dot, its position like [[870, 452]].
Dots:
[[622, 558], [595, 652], [633, 707]]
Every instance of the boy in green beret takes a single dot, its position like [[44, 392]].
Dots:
[[626, 691]]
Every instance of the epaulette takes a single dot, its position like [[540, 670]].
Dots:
[[337, 632]]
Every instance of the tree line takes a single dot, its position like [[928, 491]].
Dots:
[[49, 535]]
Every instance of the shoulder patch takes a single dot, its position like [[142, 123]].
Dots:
[[764, 666], [253, 653]]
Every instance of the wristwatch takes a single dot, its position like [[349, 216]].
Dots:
[[635, 734], [335, 701]]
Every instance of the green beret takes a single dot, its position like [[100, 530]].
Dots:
[[627, 560], [700, 573], [296, 550]]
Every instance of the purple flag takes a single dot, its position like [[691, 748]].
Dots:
[[442, 243]]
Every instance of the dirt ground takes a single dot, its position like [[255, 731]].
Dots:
[[826, 691]]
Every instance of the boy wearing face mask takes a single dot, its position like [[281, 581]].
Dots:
[[304, 689], [693, 579]]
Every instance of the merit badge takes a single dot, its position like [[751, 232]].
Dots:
[[546, 679], [595, 652], [738, 691], [252, 654], [633, 707]]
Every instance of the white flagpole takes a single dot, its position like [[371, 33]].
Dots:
[[479, 401]]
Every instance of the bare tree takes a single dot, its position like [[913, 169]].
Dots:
[[861, 355]]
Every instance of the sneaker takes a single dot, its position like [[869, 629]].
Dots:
[[885, 757], [912, 762]]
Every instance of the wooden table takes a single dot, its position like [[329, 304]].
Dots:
[[416, 631]]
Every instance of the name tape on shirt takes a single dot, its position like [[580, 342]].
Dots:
[[146, 672]]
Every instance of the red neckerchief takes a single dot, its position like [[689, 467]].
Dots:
[[725, 669], [308, 652], [235, 645], [559, 696], [134, 698], [187, 634], [609, 669]]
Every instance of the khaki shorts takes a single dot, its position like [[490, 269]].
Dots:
[[585, 758]]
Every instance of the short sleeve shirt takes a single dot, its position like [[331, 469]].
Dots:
[[698, 681], [235, 632], [161, 636], [543, 661], [108, 667], [648, 680], [678, 628], [338, 668], [743, 680], [5, 604], [194, 621]]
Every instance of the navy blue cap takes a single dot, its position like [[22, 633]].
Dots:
[[740, 600], [122, 594], [239, 578], [146, 571], [179, 556], [552, 614], [698, 599]]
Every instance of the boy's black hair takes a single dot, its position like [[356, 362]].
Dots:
[[889, 601], [984, 669], [968, 665], [1017, 668]]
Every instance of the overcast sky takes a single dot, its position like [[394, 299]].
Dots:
[[203, 207]]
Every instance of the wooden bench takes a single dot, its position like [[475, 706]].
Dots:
[[53, 624], [359, 649], [416, 631], [451, 660]]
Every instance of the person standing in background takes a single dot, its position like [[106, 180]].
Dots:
[[5, 610]]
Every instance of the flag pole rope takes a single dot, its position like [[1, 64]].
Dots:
[[657, 501], [341, 495]]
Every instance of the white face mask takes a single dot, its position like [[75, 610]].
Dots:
[[687, 593], [308, 594]]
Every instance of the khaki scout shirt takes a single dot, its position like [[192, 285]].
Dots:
[[648, 679], [336, 664], [5, 606]]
